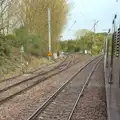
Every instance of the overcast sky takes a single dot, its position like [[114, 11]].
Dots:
[[84, 12]]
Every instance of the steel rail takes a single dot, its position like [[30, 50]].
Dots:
[[83, 88], [47, 102], [31, 78], [34, 84]]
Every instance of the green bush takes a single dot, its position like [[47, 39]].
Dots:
[[4, 46], [77, 49]]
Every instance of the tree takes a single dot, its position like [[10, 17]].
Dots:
[[35, 17], [81, 33], [84, 41], [28, 18]]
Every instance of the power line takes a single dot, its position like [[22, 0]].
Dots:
[[72, 25], [94, 26]]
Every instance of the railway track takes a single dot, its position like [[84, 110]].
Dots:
[[10, 91], [39, 71], [68, 57], [61, 105], [34, 71]]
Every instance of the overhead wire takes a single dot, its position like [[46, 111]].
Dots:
[[75, 20]]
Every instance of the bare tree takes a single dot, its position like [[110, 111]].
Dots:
[[9, 15], [35, 17]]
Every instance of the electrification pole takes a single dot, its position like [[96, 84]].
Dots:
[[69, 31], [49, 34], [112, 50], [21, 51], [107, 47], [95, 23]]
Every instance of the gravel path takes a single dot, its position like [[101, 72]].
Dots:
[[92, 106], [19, 107]]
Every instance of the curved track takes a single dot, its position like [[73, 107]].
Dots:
[[10, 91], [67, 95]]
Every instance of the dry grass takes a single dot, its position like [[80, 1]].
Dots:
[[34, 64]]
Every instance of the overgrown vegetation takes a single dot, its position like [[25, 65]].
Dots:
[[84, 41], [25, 23]]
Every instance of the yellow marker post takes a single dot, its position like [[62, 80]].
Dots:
[[49, 54]]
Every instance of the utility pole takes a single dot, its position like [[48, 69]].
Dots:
[[70, 30], [94, 27], [49, 34], [112, 49], [21, 51], [84, 43], [106, 31], [107, 47]]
